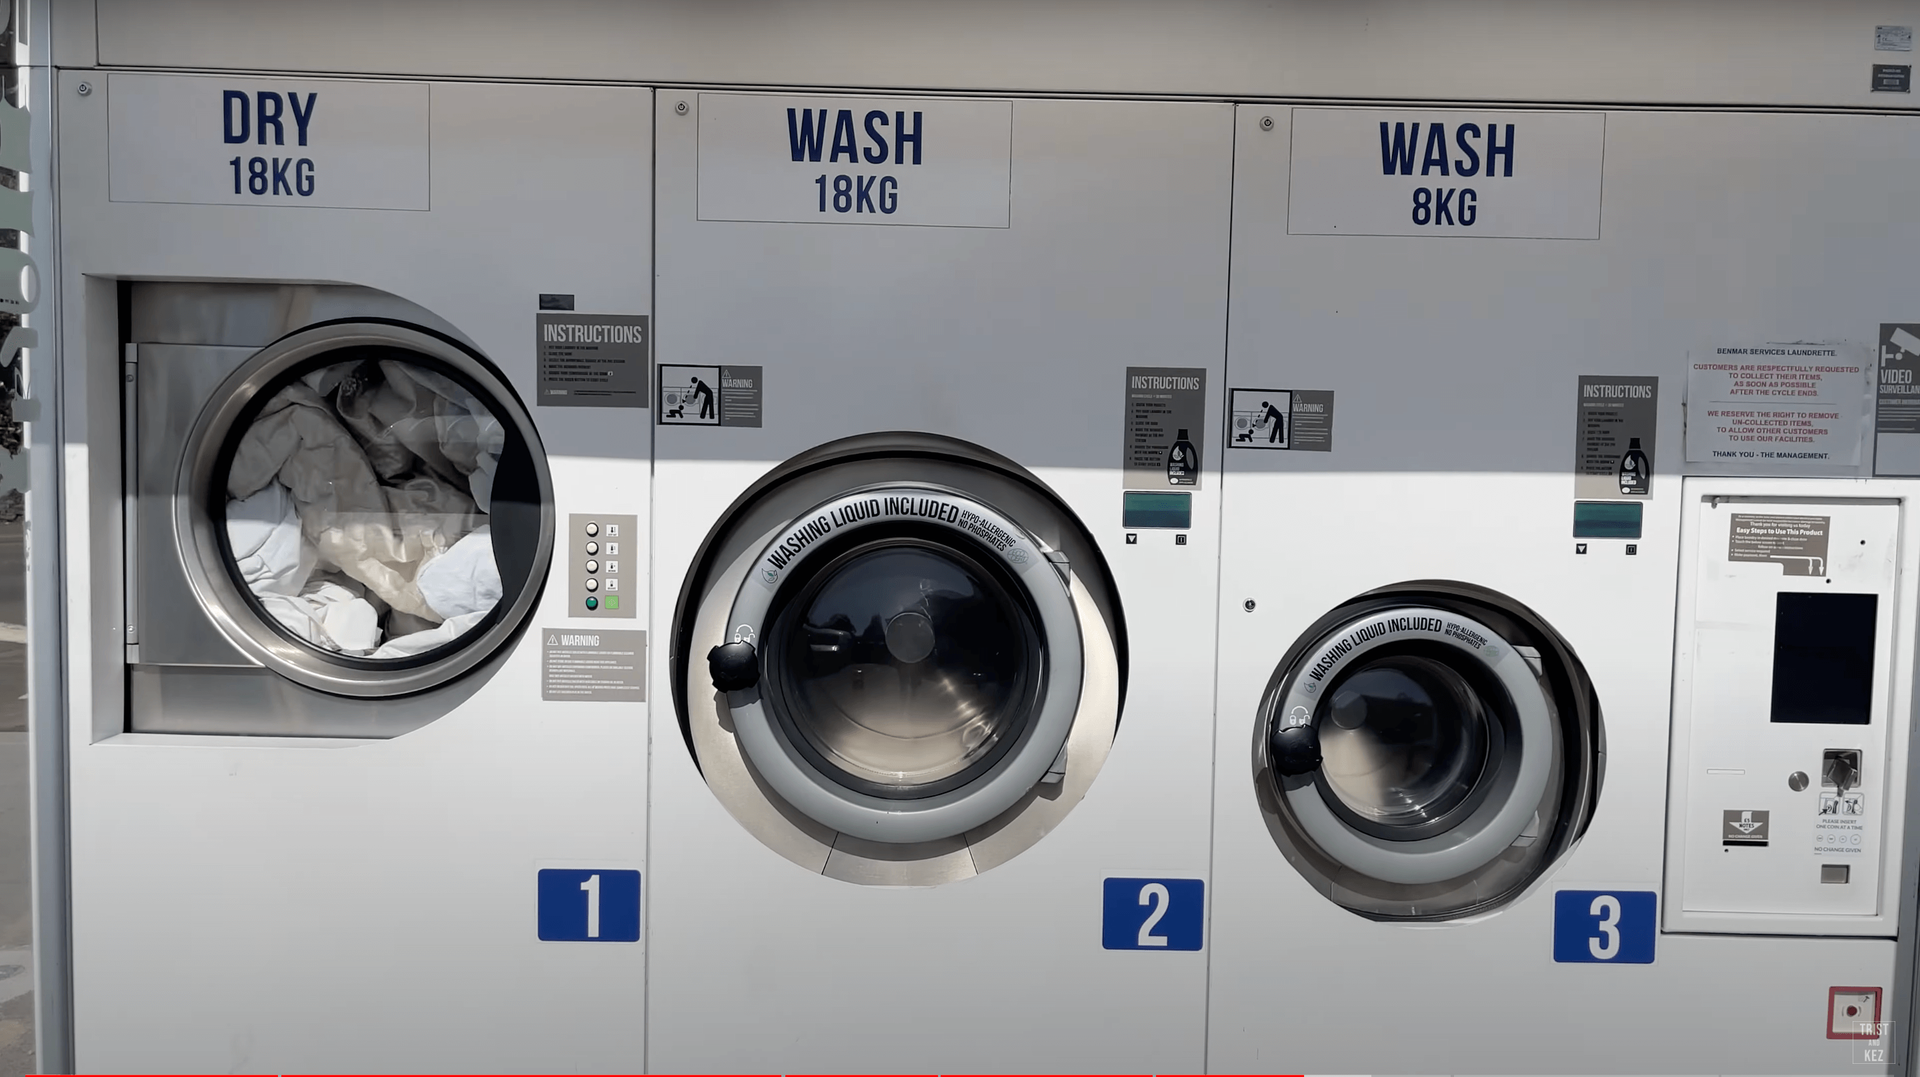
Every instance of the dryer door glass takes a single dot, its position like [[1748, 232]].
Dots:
[[906, 667], [357, 505], [1405, 740]]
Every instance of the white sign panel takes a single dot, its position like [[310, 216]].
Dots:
[[841, 160], [1785, 406], [267, 142], [1406, 172]]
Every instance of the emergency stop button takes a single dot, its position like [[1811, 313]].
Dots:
[[1853, 1013]]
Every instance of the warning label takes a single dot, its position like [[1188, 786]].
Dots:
[[710, 395], [592, 360], [1798, 543], [593, 666], [1296, 419]]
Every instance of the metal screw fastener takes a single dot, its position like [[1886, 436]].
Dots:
[[681, 108], [1249, 605], [1266, 123], [85, 88]]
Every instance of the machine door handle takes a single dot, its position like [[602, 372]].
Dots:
[[1295, 750], [734, 666]]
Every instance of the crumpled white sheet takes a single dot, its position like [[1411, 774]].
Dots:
[[465, 579], [418, 642], [381, 474], [329, 616], [268, 549]]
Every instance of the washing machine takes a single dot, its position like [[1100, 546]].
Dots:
[[942, 534], [357, 746], [1461, 560]]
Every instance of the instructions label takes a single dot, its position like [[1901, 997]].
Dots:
[[267, 142], [599, 665], [710, 395], [1744, 827], [1797, 543], [592, 360], [1297, 419], [1784, 405], [1896, 424], [845, 160], [1410, 172], [1841, 826], [1166, 410], [1615, 422]]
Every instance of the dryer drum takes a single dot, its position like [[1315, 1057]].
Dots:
[[1427, 751], [367, 509], [891, 649]]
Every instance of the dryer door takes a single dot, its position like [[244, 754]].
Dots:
[[361, 507], [1430, 754]]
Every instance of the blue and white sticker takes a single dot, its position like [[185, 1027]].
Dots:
[[588, 905], [1611, 927], [1153, 914]]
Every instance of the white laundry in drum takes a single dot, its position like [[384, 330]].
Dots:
[[358, 509]]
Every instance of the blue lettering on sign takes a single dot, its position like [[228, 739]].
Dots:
[[588, 905], [244, 117], [1611, 927], [1152, 914], [1397, 149], [807, 136]]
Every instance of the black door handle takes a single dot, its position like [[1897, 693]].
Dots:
[[734, 666]]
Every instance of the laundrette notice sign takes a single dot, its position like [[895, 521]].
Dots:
[[1408, 172], [267, 142], [841, 160], [1778, 407]]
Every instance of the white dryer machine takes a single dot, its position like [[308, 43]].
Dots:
[[1450, 561], [340, 799], [939, 698]]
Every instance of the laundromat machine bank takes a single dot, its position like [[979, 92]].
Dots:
[[1411, 742]]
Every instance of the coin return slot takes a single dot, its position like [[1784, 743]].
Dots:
[[1835, 873]]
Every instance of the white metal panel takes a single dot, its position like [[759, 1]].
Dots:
[[1018, 339], [1727, 755], [1776, 52], [260, 904], [1455, 365]]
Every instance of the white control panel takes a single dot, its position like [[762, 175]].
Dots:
[[1783, 687]]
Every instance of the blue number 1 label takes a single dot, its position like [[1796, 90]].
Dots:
[[587, 905], [1614, 927], [1152, 914]]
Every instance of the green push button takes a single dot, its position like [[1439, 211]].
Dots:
[[613, 602], [593, 603]]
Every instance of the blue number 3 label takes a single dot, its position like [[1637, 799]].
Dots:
[[1152, 914], [579, 905], [1616, 927]]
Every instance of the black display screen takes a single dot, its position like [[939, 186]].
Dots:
[[1823, 658]]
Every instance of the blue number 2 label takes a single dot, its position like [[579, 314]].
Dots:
[[1614, 927], [578, 905], [1152, 914]]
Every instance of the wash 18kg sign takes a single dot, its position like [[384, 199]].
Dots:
[[840, 160], [1504, 175]]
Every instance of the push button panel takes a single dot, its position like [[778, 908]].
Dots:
[[597, 586]]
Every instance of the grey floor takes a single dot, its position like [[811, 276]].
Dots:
[[16, 903]]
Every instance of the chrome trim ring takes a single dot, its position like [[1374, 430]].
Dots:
[[234, 611], [1499, 820], [904, 822]]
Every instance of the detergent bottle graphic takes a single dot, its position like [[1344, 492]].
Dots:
[[1183, 462], [1634, 470]]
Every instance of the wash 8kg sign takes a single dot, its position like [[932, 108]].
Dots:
[[839, 160], [267, 142], [1506, 175]]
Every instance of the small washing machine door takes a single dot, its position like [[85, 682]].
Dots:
[[901, 651], [363, 507], [1429, 751]]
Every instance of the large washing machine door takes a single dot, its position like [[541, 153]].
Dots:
[[904, 649], [363, 508], [1427, 751]]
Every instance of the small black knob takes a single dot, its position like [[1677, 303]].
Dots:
[[734, 666], [1296, 750]]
